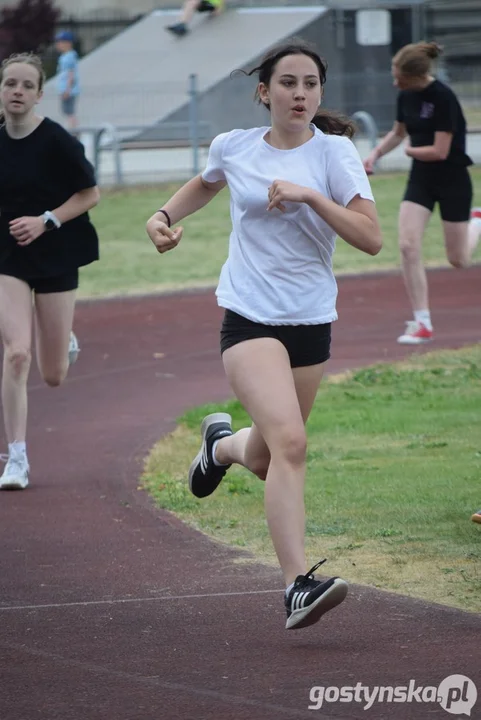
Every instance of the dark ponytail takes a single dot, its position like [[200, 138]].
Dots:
[[334, 123], [432, 49], [331, 123]]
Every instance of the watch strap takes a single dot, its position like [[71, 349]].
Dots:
[[49, 215]]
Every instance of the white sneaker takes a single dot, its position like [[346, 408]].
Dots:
[[73, 349], [476, 214], [415, 334], [15, 475]]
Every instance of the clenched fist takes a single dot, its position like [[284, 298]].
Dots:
[[282, 191], [163, 237]]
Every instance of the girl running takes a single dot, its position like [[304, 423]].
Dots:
[[293, 187], [46, 189], [429, 114]]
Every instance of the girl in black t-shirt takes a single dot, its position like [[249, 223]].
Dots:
[[46, 189], [429, 114]]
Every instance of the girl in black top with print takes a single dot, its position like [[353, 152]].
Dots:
[[428, 112], [46, 189]]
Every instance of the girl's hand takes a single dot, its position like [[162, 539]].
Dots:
[[408, 148], [26, 229], [370, 162], [282, 191], [163, 237]]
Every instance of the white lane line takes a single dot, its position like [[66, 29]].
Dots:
[[124, 601], [181, 691]]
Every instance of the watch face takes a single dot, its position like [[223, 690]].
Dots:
[[49, 224]]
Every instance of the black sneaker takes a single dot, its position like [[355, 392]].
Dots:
[[204, 474], [309, 599], [180, 29]]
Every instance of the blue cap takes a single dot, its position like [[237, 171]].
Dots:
[[65, 35]]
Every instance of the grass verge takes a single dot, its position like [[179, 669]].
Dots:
[[129, 263], [394, 474]]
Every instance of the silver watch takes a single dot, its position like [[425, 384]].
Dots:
[[51, 221]]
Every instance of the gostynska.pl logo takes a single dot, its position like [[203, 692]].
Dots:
[[456, 694]]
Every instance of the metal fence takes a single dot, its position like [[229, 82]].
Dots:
[[142, 104], [130, 149], [107, 144], [374, 93]]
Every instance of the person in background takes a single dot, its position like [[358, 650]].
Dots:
[[430, 116], [190, 7], [68, 86]]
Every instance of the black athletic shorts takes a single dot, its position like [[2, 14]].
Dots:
[[205, 6], [305, 344], [44, 285], [452, 190]]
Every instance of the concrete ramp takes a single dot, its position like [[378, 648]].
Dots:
[[141, 76]]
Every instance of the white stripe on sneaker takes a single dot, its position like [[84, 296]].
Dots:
[[204, 460], [298, 600], [304, 615]]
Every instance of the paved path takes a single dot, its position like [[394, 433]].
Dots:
[[112, 610]]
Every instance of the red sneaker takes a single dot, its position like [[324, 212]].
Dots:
[[415, 334], [477, 517]]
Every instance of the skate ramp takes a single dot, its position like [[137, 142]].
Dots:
[[141, 76]]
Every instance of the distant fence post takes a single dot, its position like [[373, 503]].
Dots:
[[96, 135], [194, 122], [370, 126], [115, 147], [418, 14], [109, 128]]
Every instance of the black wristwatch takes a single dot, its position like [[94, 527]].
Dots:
[[51, 221]]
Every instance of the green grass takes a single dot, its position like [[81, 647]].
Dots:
[[394, 474], [473, 117], [129, 262]]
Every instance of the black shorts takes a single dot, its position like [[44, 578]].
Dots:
[[453, 192], [205, 6], [44, 285], [305, 344], [67, 105]]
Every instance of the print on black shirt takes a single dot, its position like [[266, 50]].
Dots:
[[434, 109]]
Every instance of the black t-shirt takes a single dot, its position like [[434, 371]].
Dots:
[[434, 109], [37, 173]]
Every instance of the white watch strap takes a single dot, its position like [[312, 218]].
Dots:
[[49, 215]]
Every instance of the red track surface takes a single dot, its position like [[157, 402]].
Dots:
[[111, 609]]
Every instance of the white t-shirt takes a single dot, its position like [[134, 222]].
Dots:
[[279, 267]]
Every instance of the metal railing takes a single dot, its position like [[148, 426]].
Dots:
[[368, 124], [107, 137]]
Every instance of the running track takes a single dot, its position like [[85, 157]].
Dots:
[[113, 610]]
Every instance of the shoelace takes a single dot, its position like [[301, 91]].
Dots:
[[12, 460], [411, 327], [309, 576]]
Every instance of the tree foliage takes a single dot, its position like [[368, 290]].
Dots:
[[28, 26]]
